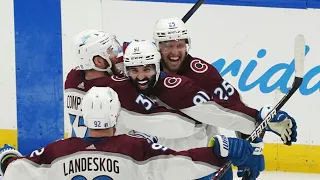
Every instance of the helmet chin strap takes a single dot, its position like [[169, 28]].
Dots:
[[108, 70]]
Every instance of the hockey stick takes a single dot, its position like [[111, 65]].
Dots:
[[192, 10], [299, 53]]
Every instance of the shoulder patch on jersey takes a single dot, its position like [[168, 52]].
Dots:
[[116, 78], [172, 82], [197, 66]]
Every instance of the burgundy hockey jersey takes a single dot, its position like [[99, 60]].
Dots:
[[180, 92], [207, 77], [137, 112], [112, 158]]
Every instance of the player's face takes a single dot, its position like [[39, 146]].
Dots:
[[173, 53], [101, 63], [142, 76], [114, 53], [112, 56]]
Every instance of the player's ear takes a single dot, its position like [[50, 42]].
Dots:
[[96, 60], [100, 62]]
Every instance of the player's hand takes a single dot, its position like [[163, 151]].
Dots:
[[236, 149], [227, 175], [254, 163], [6, 153], [118, 66], [282, 124]]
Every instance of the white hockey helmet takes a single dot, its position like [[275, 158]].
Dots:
[[90, 43], [141, 53], [168, 29], [100, 108]]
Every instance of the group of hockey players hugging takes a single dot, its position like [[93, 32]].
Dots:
[[151, 111]]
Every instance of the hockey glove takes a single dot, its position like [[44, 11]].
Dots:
[[237, 150], [255, 163], [227, 175], [282, 124], [6, 153], [243, 154]]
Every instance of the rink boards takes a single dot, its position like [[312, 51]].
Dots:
[[252, 47]]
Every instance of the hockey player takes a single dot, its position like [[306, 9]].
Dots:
[[172, 39], [143, 114], [137, 106], [103, 156], [97, 53], [96, 58], [142, 66], [91, 47]]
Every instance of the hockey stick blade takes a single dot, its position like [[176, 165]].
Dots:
[[299, 53], [192, 10]]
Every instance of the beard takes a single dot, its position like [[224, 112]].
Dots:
[[147, 87], [173, 67]]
